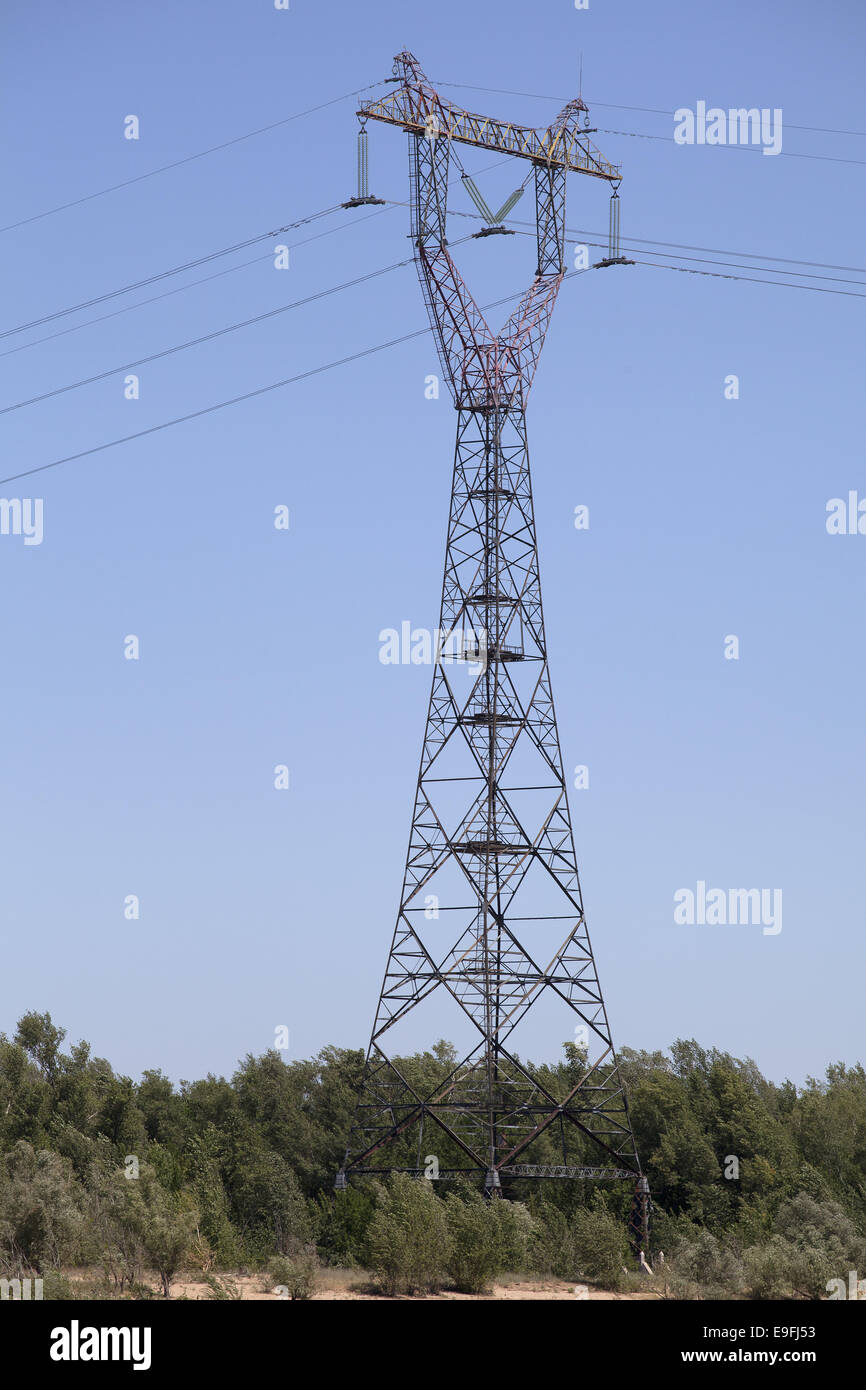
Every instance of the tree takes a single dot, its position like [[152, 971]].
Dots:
[[342, 1220], [600, 1245], [41, 1208], [41, 1041], [210, 1194], [475, 1240], [409, 1243], [168, 1232]]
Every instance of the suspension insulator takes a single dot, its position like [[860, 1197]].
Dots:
[[613, 229], [363, 189], [478, 198], [363, 195], [510, 202]]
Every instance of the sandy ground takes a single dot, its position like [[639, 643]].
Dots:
[[340, 1285], [344, 1284]]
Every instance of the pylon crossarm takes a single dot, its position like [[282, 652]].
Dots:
[[417, 107]]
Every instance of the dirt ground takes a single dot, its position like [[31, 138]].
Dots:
[[344, 1284]]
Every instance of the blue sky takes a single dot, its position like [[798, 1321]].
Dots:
[[261, 908]]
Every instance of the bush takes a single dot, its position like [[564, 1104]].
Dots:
[[813, 1242], [773, 1270], [813, 1225], [41, 1211], [476, 1244], [551, 1249], [223, 1289], [342, 1221], [408, 1240], [168, 1233], [701, 1267], [297, 1273], [517, 1231], [600, 1246]]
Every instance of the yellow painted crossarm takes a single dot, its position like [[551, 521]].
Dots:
[[564, 148]]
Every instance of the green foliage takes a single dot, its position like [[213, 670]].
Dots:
[[342, 1220], [223, 1289], [295, 1275], [777, 1269], [552, 1241], [41, 1209], [167, 1231], [702, 1267], [600, 1245], [476, 1246], [136, 1221], [517, 1232], [235, 1172], [203, 1155], [408, 1239], [813, 1242]]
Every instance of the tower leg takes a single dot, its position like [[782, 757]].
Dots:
[[639, 1221]]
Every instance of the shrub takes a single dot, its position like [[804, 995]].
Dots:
[[342, 1222], [41, 1211], [297, 1273], [551, 1249], [813, 1225], [408, 1238], [168, 1233], [773, 1270], [223, 1289], [600, 1246], [476, 1244], [701, 1267], [517, 1231]]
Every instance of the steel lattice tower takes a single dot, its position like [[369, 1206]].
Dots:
[[491, 841]]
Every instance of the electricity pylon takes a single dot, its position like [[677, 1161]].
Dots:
[[491, 917]]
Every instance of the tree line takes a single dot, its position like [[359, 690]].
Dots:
[[759, 1189]]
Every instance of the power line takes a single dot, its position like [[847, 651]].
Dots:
[[368, 352], [217, 333], [745, 149], [208, 337], [165, 274], [188, 159], [641, 135], [726, 251], [681, 246], [249, 395], [220, 405], [349, 284], [615, 106], [770, 269], [274, 125], [755, 279], [179, 289]]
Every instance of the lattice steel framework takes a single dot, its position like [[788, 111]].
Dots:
[[491, 846]]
